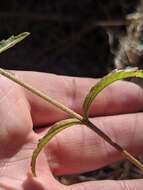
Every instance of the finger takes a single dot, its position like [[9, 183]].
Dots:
[[109, 184], [15, 119], [121, 97], [78, 149], [23, 177]]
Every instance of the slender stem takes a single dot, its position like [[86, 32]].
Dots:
[[40, 94], [124, 152], [89, 124]]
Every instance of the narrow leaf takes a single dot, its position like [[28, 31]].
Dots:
[[107, 80], [56, 128], [10, 42]]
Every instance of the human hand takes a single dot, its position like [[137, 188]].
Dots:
[[76, 149]]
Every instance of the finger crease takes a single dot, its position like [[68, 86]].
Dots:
[[73, 92], [124, 185]]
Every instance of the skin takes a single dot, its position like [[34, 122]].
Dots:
[[117, 108]]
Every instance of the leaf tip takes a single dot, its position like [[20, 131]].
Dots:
[[24, 35]]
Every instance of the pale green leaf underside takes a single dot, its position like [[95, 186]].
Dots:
[[104, 82], [56, 128], [10, 42]]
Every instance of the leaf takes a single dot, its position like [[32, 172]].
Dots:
[[56, 128], [107, 80], [10, 42]]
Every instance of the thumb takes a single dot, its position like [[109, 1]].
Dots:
[[15, 118]]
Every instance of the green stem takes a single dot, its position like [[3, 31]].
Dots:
[[40, 94], [89, 124], [124, 152]]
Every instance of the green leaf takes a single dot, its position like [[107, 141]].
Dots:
[[56, 128], [10, 42], [107, 80]]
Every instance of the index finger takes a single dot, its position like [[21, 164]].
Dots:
[[121, 97]]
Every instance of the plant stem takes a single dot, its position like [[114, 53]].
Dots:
[[124, 152], [89, 124], [40, 94]]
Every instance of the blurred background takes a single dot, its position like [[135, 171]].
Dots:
[[64, 36], [65, 39]]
